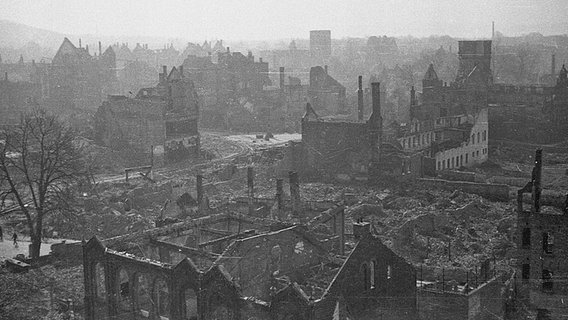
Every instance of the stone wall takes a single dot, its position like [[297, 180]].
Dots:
[[499, 192]]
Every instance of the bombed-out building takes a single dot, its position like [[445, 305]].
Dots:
[[161, 121], [343, 146], [227, 85], [542, 247], [449, 122], [267, 272], [326, 94], [75, 78]]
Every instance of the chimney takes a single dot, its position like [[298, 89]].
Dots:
[[412, 97], [553, 65], [87, 48], [282, 78], [294, 192], [325, 68], [361, 229], [228, 50], [100, 49], [250, 185], [165, 70], [181, 70], [79, 42], [360, 103], [279, 193], [376, 97], [260, 60], [199, 182], [536, 179]]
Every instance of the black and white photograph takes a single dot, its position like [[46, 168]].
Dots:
[[283, 160]]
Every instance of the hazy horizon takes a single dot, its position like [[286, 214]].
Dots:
[[275, 20]]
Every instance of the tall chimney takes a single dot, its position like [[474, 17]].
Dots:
[[553, 65], [87, 48], [282, 78], [376, 97], [199, 187], [360, 103], [181, 70], [325, 68], [165, 71], [228, 49], [100, 49], [79, 42], [294, 192]]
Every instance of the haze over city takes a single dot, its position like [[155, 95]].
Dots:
[[269, 19]]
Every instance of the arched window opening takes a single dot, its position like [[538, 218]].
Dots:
[[162, 297], [145, 301], [100, 282], [190, 298], [124, 296]]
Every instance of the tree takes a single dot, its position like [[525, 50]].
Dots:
[[39, 165]]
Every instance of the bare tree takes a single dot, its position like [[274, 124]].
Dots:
[[39, 165]]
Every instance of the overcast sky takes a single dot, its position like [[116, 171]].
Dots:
[[281, 19]]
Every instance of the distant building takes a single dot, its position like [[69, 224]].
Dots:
[[162, 121], [75, 78], [326, 94], [450, 122], [17, 97], [320, 43]]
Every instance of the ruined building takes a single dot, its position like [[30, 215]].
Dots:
[[161, 121], [450, 122], [17, 97], [342, 146], [542, 247], [209, 268], [227, 85], [326, 94], [75, 78]]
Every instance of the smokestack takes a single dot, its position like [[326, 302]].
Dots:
[[360, 103], [79, 42], [553, 65], [181, 70], [165, 70], [100, 49], [199, 186], [228, 50], [282, 78], [376, 97], [294, 192], [325, 68], [87, 48]]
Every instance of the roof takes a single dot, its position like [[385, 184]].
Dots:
[[431, 73]]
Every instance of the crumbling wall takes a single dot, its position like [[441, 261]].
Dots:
[[438, 305], [340, 147], [498, 192], [487, 301]]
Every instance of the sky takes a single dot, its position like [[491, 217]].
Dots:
[[285, 19]]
